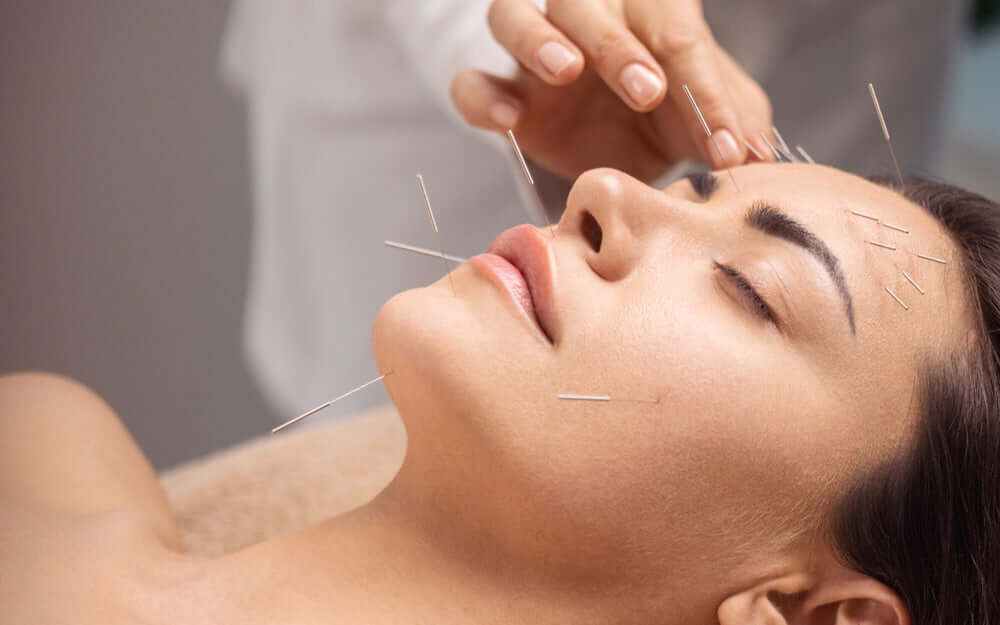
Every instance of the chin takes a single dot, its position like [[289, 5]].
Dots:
[[463, 357], [426, 337]]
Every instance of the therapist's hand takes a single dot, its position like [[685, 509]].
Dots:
[[600, 85]]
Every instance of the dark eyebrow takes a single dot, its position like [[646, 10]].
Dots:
[[771, 221], [704, 184]]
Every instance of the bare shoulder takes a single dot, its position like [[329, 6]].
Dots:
[[83, 513]]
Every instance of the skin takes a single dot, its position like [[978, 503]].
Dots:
[[515, 507], [583, 116]]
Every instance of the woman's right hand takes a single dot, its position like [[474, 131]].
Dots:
[[600, 85]]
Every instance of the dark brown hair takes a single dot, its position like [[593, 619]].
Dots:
[[926, 523]]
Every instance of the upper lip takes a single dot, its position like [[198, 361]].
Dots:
[[530, 251]]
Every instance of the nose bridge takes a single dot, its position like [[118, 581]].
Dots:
[[629, 213]]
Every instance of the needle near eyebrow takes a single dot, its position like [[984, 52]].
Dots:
[[708, 132]]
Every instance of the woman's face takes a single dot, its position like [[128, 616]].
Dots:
[[732, 416]]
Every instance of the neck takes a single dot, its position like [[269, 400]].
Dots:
[[416, 554], [384, 565]]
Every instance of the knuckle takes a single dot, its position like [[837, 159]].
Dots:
[[674, 42], [609, 45]]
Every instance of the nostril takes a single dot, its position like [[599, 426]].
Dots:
[[591, 231]]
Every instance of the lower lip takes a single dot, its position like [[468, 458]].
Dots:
[[505, 275]]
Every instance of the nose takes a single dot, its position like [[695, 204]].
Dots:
[[615, 215]]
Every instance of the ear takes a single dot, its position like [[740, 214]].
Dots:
[[833, 596]]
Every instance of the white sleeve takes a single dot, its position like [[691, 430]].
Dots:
[[444, 37]]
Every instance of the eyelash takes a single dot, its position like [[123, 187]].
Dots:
[[760, 307]]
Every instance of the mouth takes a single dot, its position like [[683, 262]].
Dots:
[[521, 262]]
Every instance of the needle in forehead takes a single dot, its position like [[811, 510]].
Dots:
[[805, 154], [708, 131], [783, 146], [753, 150], [885, 133], [778, 156]]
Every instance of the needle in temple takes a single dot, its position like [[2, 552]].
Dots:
[[326, 405], [865, 215], [883, 245], [932, 259], [531, 181], [911, 281], [424, 251], [430, 211], [885, 133], [708, 131], [896, 297]]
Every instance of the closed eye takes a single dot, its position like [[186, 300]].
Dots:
[[704, 184], [757, 305]]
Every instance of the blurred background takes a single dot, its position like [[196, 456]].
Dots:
[[126, 215]]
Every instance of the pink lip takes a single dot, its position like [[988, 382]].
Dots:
[[521, 262]]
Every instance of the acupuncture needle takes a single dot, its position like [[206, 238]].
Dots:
[[885, 133], [801, 150], [602, 398], [778, 156], [531, 181], [708, 131], [784, 146], [430, 212], [753, 150], [325, 405], [424, 251]]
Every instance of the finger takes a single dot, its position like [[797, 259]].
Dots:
[[618, 57], [754, 107], [486, 101], [683, 45], [539, 46]]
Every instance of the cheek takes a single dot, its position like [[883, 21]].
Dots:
[[737, 417]]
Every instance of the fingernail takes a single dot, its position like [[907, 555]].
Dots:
[[555, 57], [504, 115], [727, 146], [642, 85]]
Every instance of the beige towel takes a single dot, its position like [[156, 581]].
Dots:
[[275, 484]]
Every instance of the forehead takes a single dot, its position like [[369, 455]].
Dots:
[[878, 237]]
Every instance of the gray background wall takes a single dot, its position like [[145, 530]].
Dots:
[[125, 214], [125, 218]]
